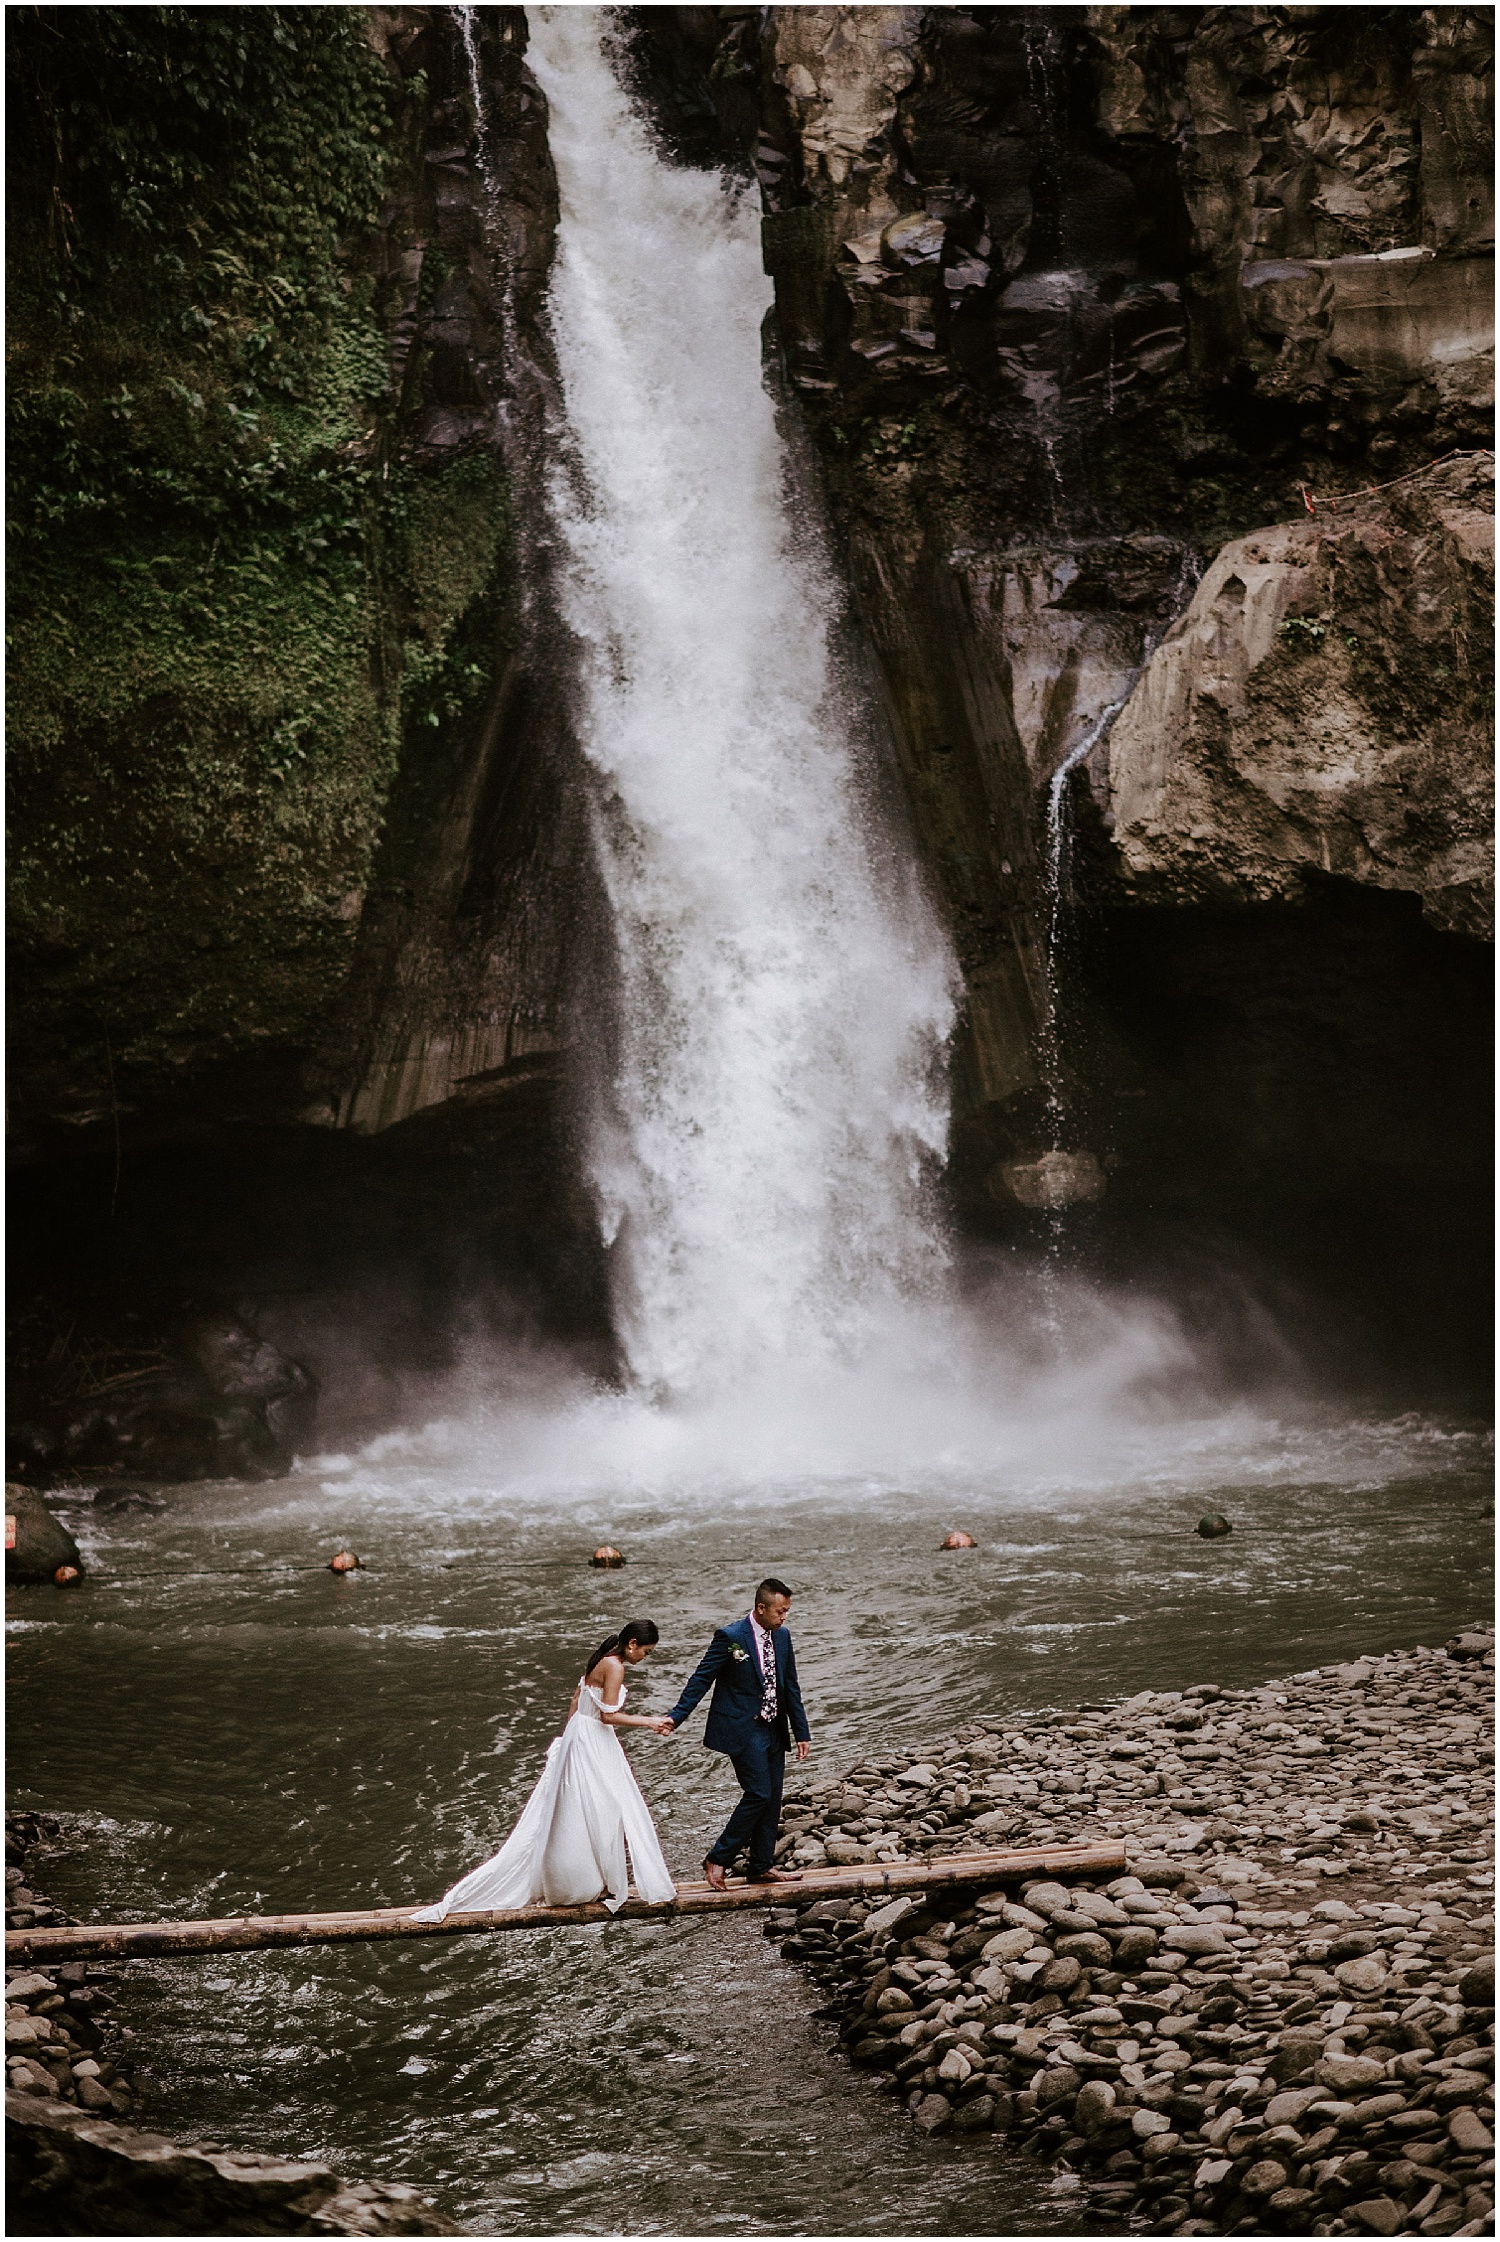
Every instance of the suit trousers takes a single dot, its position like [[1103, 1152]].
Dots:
[[760, 1766]]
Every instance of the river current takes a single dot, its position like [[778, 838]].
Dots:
[[223, 1725]]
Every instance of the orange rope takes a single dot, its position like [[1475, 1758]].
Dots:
[[1333, 499]]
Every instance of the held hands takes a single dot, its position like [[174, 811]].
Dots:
[[664, 1727]]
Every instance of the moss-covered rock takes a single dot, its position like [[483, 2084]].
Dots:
[[247, 585]]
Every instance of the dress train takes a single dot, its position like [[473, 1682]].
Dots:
[[584, 1831]]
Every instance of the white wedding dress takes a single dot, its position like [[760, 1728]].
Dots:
[[584, 1831]]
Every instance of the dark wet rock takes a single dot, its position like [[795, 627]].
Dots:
[[932, 2114], [71, 2172], [977, 2115], [236, 1364], [1095, 2106], [1214, 1527], [119, 1496], [1088, 1948], [1295, 2057], [42, 1542], [1477, 1985], [1058, 2084], [220, 1402]]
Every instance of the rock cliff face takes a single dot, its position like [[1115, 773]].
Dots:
[[1286, 723], [1074, 303], [1100, 317], [1072, 296], [459, 983], [295, 881], [281, 592]]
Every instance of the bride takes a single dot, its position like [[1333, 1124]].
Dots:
[[585, 1830]]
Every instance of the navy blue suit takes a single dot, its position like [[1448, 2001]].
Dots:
[[756, 1748]]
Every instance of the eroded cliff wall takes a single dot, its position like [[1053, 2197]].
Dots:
[[271, 579], [1096, 319], [1073, 296], [295, 853], [1100, 318]]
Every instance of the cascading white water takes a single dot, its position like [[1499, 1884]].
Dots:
[[763, 1150]]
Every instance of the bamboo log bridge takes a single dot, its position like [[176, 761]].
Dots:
[[242, 1934]]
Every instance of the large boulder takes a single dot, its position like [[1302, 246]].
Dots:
[[224, 1404], [41, 1543], [1319, 709]]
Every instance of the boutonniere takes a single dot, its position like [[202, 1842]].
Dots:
[[739, 1655]]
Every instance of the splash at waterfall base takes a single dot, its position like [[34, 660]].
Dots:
[[1246, 2033]]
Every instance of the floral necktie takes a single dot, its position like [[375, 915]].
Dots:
[[766, 1646]]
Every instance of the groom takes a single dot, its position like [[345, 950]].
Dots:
[[756, 1712]]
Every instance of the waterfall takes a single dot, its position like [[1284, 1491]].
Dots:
[[770, 1109], [1056, 880]]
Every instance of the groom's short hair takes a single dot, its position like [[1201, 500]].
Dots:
[[772, 1588]]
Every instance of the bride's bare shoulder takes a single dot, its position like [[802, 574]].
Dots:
[[608, 1671]]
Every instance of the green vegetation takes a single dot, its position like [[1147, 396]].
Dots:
[[230, 598]]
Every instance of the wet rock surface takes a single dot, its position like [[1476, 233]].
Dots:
[[36, 1542], [1075, 301], [1279, 2021], [329, 1074], [208, 1399], [71, 2076], [68, 2172], [63, 2040]]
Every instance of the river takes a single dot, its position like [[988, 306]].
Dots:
[[224, 1725]]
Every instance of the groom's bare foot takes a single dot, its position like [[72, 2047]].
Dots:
[[714, 1874], [775, 1876]]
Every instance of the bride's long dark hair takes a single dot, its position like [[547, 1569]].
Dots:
[[634, 1631]]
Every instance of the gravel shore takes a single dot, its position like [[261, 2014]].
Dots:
[[1281, 2021], [61, 2037]]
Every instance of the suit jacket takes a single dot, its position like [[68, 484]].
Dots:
[[732, 1668]]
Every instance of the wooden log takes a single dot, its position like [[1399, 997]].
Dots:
[[240, 1934]]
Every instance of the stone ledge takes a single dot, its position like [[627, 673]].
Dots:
[[68, 2172]]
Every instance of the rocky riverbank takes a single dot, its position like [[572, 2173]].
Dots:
[[72, 2168], [63, 2039], [1281, 2021]]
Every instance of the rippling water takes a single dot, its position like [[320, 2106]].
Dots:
[[233, 1727]]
